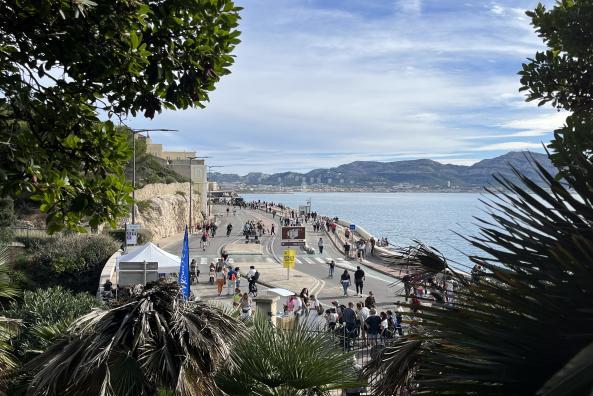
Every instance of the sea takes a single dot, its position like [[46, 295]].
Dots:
[[440, 220]]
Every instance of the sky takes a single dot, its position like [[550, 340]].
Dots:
[[319, 83]]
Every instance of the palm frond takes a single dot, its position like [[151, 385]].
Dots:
[[268, 361], [151, 342], [530, 313]]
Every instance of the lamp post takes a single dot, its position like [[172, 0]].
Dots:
[[190, 188], [134, 132]]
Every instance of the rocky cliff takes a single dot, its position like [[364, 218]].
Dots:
[[164, 208]]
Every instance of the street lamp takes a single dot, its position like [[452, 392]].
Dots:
[[190, 188], [134, 132]]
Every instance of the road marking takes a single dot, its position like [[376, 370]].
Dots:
[[307, 260], [320, 260], [298, 261], [203, 260]]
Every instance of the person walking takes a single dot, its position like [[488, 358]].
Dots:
[[345, 281], [372, 241], [220, 278], [211, 273], [320, 245], [245, 305], [332, 267], [305, 299], [407, 280], [231, 280], [349, 319], [273, 230], [369, 302], [373, 326], [359, 278], [363, 313], [347, 250]]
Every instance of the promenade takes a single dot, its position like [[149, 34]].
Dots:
[[311, 270]]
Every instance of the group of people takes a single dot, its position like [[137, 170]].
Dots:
[[364, 320], [303, 304]]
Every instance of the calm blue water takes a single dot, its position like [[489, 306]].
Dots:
[[401, 217]]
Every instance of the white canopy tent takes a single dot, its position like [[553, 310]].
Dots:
[[167, 263]]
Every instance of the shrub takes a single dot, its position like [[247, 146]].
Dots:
[[74, 261], [170, 179], [119, 235], [43, 309], [143, 206], [179, 192]]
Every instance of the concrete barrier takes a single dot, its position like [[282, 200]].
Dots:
[[108, 272]]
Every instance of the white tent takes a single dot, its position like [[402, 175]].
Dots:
[[167, 263]]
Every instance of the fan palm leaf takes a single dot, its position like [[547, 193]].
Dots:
[[152, 343], [530, 313], [268, 361]]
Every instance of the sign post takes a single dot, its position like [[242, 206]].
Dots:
[[289, 260], [132, 234]]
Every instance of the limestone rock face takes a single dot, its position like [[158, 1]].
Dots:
[[164, 208]]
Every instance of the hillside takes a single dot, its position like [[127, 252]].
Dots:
[[422, 172], [149, 169]]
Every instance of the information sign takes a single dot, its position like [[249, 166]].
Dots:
[[132, 234], [289, 258], [352, 227], [293, 233]]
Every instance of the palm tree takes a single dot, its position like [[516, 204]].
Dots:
[[152, 343], [527, 325], [7, 326], [269, 361]]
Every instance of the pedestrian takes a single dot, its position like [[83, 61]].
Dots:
[[359, 278], [237, 297], [305, 299], [331, 318], [384, 326], [372, 240], [345, 281], [211, 273], [245, 305], [369, 302], [349, 319], [320, 245], [373, 325], [315, 305], [238, 277], [347, 250], [332, 267], [204, 240], [273, 230], [220, 278], [363, 313], [398, 319], [231, 280], [407, 280]]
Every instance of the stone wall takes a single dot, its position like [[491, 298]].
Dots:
[[164, 208]]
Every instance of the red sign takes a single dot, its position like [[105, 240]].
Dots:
[[292, 233]]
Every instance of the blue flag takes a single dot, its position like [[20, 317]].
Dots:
[[184, 268]]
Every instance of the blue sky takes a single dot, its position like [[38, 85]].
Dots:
[[318, 83]]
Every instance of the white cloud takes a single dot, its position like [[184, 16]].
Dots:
[[410, 6], [389, 85], [508, 146]]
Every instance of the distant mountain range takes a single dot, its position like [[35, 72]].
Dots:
[[422, 172]]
